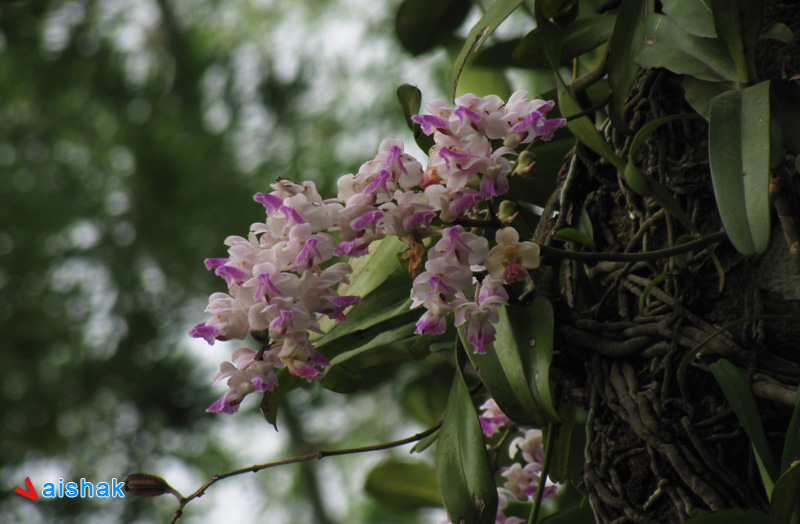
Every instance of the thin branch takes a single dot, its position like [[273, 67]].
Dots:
[[318, 455]]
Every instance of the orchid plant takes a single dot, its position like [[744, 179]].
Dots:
[[281, 278]]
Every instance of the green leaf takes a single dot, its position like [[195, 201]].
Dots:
[[342, 379], [731, 516], [569, 234], [383, 284], [463, 472], [739, 155], [699, 93], [425, 397], [403, 485], [410, 98], [550, 36], [483, 81], [517, 377], [579, 37], [626, 41], [358, 342], [421, 24], [649, 128], [681, 260], [791, 447], [425, 443], [372, 270], [552, 8], [583, 128], [737, 23], [271, 400], [648, 186], [737, 391], [693, 16], [568, 505], [667, 45], [649, 287], [494, 16], [785, 508], [779, 32], [540, 318], [499, 54], [568, 451]]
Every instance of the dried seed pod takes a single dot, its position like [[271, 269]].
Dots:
[[147, 485]]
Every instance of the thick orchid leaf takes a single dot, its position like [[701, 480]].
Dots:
[[410, 98], [463, 472], [421, 24], [785, 508], [568, 452], [403, 485], [483, 81], [791, 447], [342, 379], [739, 156], [780, 32], [550, 36], [626, 41], [737, 23], [737, 391], [648, 129], [667, 45], [271, 400], [498, 54], [579, 37], [426, 442], [338, 350], [381, 282], [504, 376], [372, 270], [583, 128], [648, 186], [569, 234], [540, 318], [693, 16], [552, 8], [494, 16], [378, 336], [568, 505], [731, 516], [425, 397], [649, 287], [515, 374], [700, 93]]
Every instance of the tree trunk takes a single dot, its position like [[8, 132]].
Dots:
[[664, 445]]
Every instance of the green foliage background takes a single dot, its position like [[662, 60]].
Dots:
[[132, 138]]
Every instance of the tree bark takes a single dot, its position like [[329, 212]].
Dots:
[[661, 451]]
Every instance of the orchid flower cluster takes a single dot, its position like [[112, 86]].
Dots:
[[522, 481], [278, 289]]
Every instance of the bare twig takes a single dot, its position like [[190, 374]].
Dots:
[[318, 455]]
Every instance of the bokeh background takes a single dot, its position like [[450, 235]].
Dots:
[[133, 134]]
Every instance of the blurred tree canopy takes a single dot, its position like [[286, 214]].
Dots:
[[132, 137]]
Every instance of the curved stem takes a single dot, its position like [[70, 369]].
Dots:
[[318, 455], [701, 242]]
